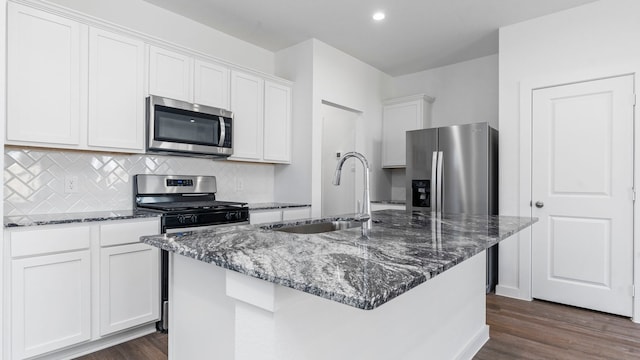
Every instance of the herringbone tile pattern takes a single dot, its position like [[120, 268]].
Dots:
[[34, 179]]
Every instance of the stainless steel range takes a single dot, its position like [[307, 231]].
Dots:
[[186, 203]]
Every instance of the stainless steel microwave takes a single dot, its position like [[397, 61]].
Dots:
[[182, 128]]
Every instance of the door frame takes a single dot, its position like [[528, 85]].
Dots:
[[523, 244]]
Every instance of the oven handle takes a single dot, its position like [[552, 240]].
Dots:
[[203, 227]]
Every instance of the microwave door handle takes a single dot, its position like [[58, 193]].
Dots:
[[222, 131]]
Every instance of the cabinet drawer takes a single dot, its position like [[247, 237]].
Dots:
[[261, 217], [296, 214], [120, 233], [49, 240]]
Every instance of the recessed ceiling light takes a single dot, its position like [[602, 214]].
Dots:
[[378, 16]]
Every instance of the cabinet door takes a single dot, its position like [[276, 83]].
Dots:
[[116, 91], [261, 217], [277, 122], [129, 286], [170, 74], [212, 85], [50, 302], [397, 120], [247, 98], [43, 77]]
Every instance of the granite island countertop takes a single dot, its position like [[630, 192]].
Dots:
[[402, 251]]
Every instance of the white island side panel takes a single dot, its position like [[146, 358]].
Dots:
[[443, 318]]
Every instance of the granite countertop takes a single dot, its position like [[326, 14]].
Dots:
[[68, 218], [402, 251], [275, 205], [391, 202]]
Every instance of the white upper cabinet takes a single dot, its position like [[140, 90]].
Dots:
[[82, 84], [71, 86], [277, 122], [170, 74], [181, 77], [212, 85], [116, 91], [399, 116], [43, 76], [247, 96], [262, 119]]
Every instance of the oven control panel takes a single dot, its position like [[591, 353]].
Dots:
[[179, 182]]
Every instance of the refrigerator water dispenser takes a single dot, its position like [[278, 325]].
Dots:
[[421, 193]]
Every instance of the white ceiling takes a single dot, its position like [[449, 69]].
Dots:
[[416, 34]]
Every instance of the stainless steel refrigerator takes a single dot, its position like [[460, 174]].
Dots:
[[454, 169]]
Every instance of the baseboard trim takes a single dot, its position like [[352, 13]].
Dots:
[[510, 292], [475, 344]]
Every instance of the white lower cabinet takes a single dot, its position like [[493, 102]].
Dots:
[[296, 213], [275, 215], [52, 301], [382, 206], [264, 216], [129, 289], [129, 276]]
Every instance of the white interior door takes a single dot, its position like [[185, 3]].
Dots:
[[582, 194], [338, 137]]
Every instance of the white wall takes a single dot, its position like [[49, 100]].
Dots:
[[595, 40], [293, 182], [340, 79], [157, 22], [465, 92], [344, 80]]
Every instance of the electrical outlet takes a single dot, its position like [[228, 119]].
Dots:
[[71, 184], [239, 185]]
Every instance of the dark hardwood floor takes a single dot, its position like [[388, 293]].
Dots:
[[519, 330], [544, 330], [151, 347]]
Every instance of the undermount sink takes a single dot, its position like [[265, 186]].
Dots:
[[317, 228]]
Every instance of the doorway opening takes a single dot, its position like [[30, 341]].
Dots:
[[338, 137]]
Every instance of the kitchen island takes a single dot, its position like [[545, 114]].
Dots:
[[415, 289]]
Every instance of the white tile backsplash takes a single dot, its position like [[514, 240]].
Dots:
[[34, 179]]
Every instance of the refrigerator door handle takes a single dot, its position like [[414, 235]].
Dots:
[[440, 183], [434, 179]]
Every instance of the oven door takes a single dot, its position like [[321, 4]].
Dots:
[[163, 324], [180, 127], [195, 228]]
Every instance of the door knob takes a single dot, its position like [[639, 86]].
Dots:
[[539, 204]]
